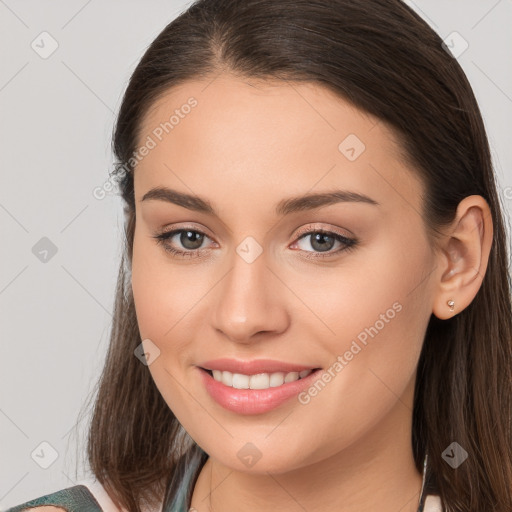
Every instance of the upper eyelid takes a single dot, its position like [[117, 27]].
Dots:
[[317, 227]]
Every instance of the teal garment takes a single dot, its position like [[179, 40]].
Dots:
[[73, 499], [185, 488], [80, 499]]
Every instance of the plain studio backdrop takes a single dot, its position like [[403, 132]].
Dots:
[[65, 65]]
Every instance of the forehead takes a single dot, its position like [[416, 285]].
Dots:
[[229, 108], [274, 135]]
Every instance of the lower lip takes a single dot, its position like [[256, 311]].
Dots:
[[254, 401]]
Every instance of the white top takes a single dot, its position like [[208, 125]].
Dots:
[[433, 504]]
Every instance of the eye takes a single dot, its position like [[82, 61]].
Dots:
[[190, 239], [323, 241]]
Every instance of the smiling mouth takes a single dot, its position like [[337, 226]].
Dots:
[[259, 380]]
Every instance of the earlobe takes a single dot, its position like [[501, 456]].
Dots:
[[446, 310], [463, 258]]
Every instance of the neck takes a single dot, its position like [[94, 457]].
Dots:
[[376, 473]]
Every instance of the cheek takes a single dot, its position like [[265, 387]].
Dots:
[[154, 289], [379, 318], [377, 315], [146, 289], [159, 289], [156, 313], [166, 296]]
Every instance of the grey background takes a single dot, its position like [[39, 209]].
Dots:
[[56, 122]]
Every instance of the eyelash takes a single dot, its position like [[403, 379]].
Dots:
[[349, 243]]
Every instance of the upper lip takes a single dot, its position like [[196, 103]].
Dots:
[[254, 366]]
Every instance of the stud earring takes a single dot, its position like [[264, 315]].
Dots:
[[451, 303]]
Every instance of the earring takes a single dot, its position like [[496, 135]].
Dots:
[[451, 303]]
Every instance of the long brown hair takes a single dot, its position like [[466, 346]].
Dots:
[[384, 59]]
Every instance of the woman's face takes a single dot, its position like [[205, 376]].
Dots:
[[260, 282]]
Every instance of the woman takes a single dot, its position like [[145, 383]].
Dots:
[[314, 310]]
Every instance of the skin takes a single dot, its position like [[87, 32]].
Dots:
[[246, 146]]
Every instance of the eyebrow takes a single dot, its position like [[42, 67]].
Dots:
[[284, 207]]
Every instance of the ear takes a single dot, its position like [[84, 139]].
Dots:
[[463, 257]]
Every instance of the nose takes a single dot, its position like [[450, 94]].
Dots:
[[250, 301]]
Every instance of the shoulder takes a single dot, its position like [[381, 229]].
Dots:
[[76, 498], [86, 496]]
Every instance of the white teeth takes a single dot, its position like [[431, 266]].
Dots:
[[227, 378], [290, 377], [259, 380], [276, 379], [241, 381]]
